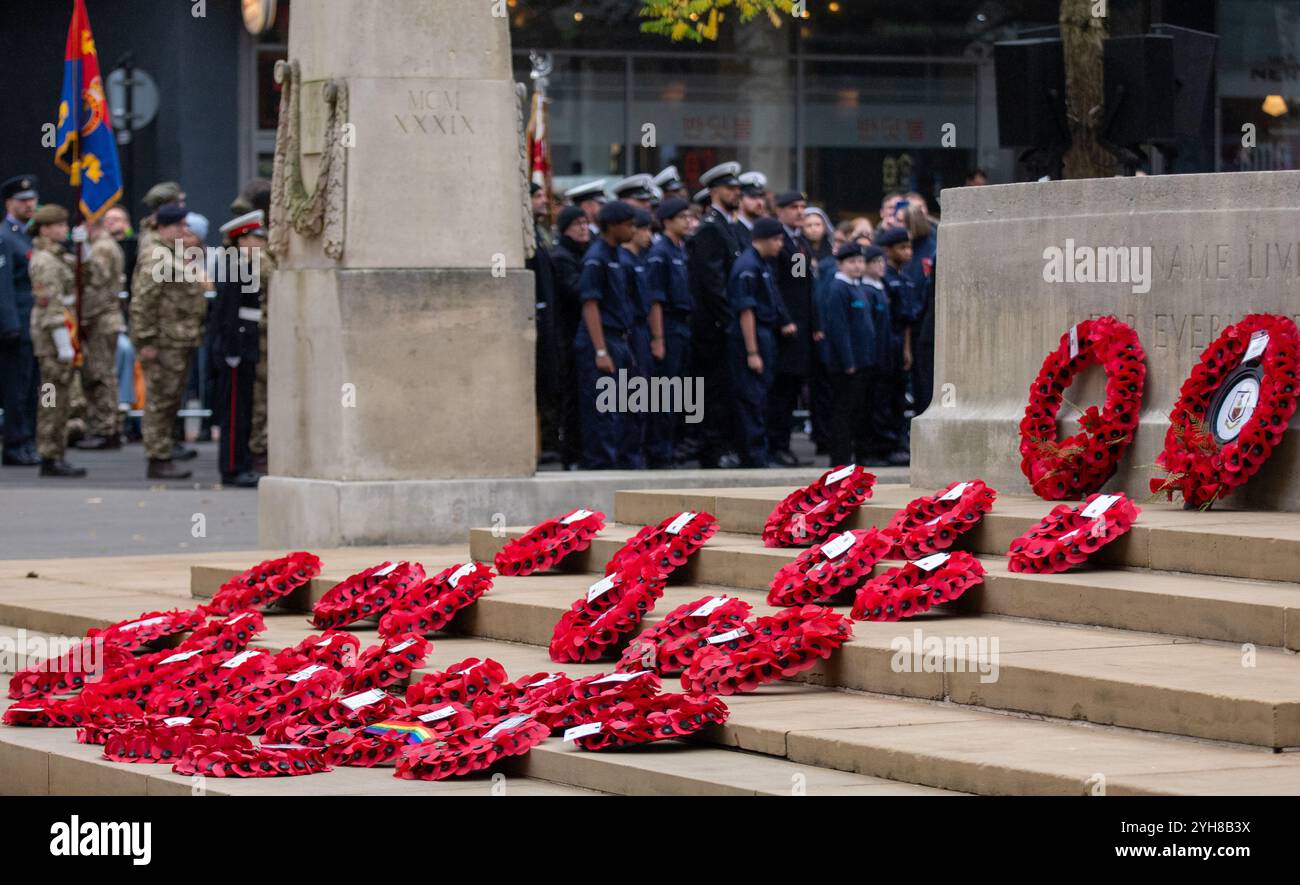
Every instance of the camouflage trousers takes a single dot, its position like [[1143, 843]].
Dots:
[[99, 372], [164, 379], [53, 407], [257, 436]]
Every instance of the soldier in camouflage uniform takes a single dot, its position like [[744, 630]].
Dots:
[[101, 321], [54, 291], [167, 314], [158, 195]]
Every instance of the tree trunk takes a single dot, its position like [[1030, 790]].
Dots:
[[1082, 34]]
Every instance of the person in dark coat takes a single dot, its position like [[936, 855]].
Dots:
[[234, 350], [904, 309], [795, 276], [546, 363], [668, 282], [712, 251], [566, 264], [19, 377]]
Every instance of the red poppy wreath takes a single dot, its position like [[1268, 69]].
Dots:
[[668, 544], [265, 583], [826, 570], [610, 610], [1070, 468], [1231, 412], [931, 523], [643, 720], [668, 646], [431, 606], [544, 545], [472, 748], [367, 594], [1069, 535], [810, 513], [915, 587]]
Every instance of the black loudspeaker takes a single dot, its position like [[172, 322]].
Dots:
[[1193, 74], [1030, 78], [1140, 95]]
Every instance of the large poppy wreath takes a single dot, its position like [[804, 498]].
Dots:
[[826, 570], [1069, 535], [931, 523], [1071, 468], [543, 546], [1231, 412], [916, 586], [809, 514]]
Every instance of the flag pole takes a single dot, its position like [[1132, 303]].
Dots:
[[76, 212]]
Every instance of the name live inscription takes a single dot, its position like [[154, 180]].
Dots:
[[433, 112]]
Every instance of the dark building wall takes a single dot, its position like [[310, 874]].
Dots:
[[194, 138]]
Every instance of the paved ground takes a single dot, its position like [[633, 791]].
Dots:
[[116, 511]]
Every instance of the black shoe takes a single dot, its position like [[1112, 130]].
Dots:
[[166, 470], [246, 480], [183, 453], [20, 458], [99, 443], [59, 467]]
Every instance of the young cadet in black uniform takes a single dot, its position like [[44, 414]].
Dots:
[[566, 261], [713, 250], [880, 440], [647, 316], [602, 344], [795, 278], [758, 317], [236, 318], [668, 281], [904, 307]]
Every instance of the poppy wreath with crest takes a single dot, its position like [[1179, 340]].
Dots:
[[912, 589], [367, 594], [380, 666], [235, 755], [155, 739], [593, 628], [462, 683], [1065, 537], [431, 606], [337, 650], [226, 635], [74, 712], [582, 700], [668, 647], [197, 693], [265, 583], [811, 513], [1195, 465], [1071, 468], [779, 646], [659, 718], [930, 524], [131, 634], [543, 546], [667, 545], [470, 749], [70, 672], [282, 695], [824, 571]]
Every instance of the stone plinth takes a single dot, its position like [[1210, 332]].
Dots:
[[1216, 247], [408, 356]]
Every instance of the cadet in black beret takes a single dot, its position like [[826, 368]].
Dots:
[[614, 213], [848, 250], [670, 207], [568, 215], [892, 236], [767, 227], [871, 253], [170, 213]]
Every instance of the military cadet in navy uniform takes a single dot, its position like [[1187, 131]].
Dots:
[[713, 250], [647, 322], [566, 261], [236, 319], [881, 438], [638, 191], [758, 319], [669, 181], [904, 310], [668, 281], [795, 278], [19, 377], [602, 344]]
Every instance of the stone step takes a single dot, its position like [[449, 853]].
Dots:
[[1255, 545], [944, 745], [1114, 677], [1225, 609]]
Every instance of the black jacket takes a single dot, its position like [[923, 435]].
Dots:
[[712, 251], [795, 278]]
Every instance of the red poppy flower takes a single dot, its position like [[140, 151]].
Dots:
[[665, 546], [546, 544], [668, 647], [826, 570], [234, 755], [154, 739], [387, 664], [644, 720], [610, 610], [81, 665], [917, 586], [142, 629], [931, 523], [431, 606], [227, 635], [810, 513], [462, 683], [774, 647], [471, 748], [338, 650]]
